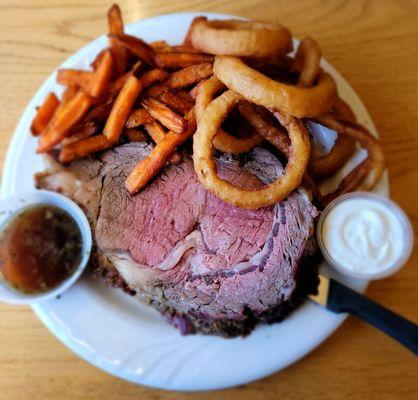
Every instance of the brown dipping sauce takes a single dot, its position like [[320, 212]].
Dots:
[[40, 248]]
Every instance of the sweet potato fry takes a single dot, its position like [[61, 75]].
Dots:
[[165, 115], [99, 113], [116, 86], [69, 115], [96, 62], [157, 133], [93, 83], [189, 76], [155, 91], [88, 129], [160, 45], [184, 94], [83, 148], [193, 92], [176, 102], [180, 79], [121, 109], [67, 96], [44, 114], [155, 130], [184, 48], [137, 47], [99, 82], [146, 169], [115, 22], [69, 93], [138, 117], [135, 135], [180, 60], [76, 77], [120, 56], [155, 75]]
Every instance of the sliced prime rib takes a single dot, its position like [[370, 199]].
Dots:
[[205, 265]]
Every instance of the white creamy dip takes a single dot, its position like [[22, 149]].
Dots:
[[364, 235]]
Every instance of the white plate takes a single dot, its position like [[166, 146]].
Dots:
[[112, 331]]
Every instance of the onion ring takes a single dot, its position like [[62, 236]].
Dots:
[[261, 90], [240, 38], [325, 166], [350, 183], [205, 166], [343, 111], [307, 58], [223, 141], [366, 175], [188, 39]]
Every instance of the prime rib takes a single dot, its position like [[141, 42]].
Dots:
[[205, 265]]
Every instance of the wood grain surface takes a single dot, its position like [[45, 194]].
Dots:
[[374, 44]]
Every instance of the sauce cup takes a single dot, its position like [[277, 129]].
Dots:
[[405, 241], [13, 206]]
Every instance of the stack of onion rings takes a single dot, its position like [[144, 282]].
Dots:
[[311, 94]]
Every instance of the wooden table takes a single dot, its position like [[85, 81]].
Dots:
[[374, 44]]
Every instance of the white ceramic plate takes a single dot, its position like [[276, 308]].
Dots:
[[132, 341]]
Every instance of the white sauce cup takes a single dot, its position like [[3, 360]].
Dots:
[[406, 241]]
